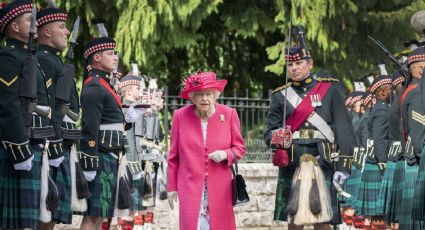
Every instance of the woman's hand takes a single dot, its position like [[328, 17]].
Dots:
[[218, 156], [172, 197]]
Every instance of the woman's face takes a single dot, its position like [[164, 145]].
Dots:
[[204, 100]]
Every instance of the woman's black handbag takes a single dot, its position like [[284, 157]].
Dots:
[[239, 193]]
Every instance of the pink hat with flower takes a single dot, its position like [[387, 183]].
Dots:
[[201, 81]]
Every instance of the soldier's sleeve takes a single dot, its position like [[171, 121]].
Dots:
[[50, 72], [364, 132], [343, 131], [274, 116], [13, 132], [380, 133], [92, 107]]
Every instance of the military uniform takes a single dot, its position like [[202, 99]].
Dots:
[[378, 134], [391, 188], [54, 71], [351, 186], [102, 127], [413, 113], [411, 156], [362, 135], [133, 148], [309, 141], [20, 132]]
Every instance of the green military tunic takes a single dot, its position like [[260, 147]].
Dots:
[[20, 189], [100, 147], [410, 108], [52, 67]]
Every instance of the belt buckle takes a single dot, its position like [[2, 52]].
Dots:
[[306, 134]]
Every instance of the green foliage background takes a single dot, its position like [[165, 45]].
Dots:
[[242, 40]]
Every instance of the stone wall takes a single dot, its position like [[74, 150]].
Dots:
[[260, 178]]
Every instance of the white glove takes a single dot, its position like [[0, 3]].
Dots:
[[89, 175], [138, 175], [218, 156], [56, 162], [26, 165], [340, 177], [133, 114], [172, 197]]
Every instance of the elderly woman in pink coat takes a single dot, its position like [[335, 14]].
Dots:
[[205, 138]]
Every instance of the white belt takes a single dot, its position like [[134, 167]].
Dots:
[[69, 120], [316, 135], [396, 143], [114, 126], [41, 107]]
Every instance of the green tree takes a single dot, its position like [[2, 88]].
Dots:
[[243, 40]]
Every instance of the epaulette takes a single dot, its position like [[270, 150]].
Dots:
[[327, 79], [282, 87]]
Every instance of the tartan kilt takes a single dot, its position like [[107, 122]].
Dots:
[[419, 193], [385, 201], [19, 192], [351, 186], [397, 191], [62, 178], [283, 190], [369, 190], [406, 221], [136, 194], [103, 188]]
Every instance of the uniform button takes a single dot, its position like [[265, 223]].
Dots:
[[307, 124], [206, 174]]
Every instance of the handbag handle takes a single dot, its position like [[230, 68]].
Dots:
[[236, 163]]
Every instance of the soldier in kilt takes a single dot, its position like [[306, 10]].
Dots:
[[130, 93], [102, 128], [377, 158], [24, 125], [390, 195], [310, 150], [52, 40], [362, 134], [352, 183], [412, 111]]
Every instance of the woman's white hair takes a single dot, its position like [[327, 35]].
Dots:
[[216, 92]]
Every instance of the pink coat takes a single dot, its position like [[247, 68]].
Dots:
[[189, 166]]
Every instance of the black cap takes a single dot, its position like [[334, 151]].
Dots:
[[97, 45], [397, 77], [379, 81], [13, 10], [130, 80], [416, 55], [296, 53], [49, 15]]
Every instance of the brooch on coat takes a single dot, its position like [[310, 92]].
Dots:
[[221, 117]]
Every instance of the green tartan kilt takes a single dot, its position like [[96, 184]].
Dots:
[[406, 221], [103, 188], [19, 192], [283, 190], [419, 193], [385, 201], [369, 190], [62, 178], [351, 186], [137, 194], [397, 190]]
